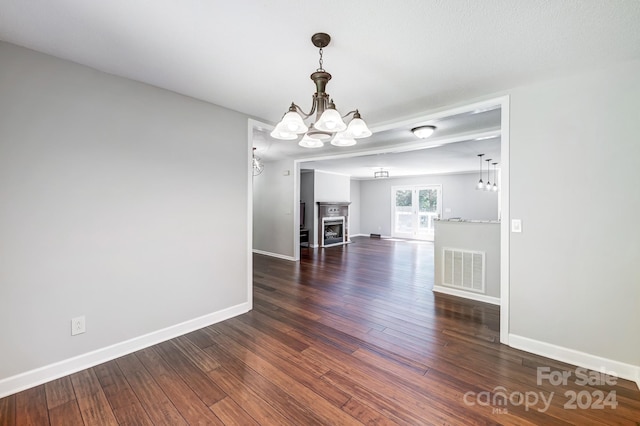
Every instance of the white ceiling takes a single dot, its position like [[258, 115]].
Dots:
[[389, 59], [451, 158], [453, 148]]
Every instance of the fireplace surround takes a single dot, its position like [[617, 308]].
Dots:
[[333, 223]]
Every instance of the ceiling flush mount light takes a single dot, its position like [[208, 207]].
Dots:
[[423, 132], [480, 184], [329, 124], [258, 166], [381, 174]]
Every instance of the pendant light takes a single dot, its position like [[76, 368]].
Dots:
[[480, 184], [487, 187], [494, 188]]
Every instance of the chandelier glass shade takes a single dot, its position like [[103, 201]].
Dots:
[[308, 142], [329, 123], [343, 139]]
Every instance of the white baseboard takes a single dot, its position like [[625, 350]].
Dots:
[[574, 357], [369, 236], [278, 255], [467, 294], [38, 376]]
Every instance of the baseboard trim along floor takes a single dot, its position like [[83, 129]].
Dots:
[[41, 375]]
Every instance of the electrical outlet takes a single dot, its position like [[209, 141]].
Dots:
[[77, 325]]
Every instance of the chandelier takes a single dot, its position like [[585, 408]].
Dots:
[[382, 174], [329, 124]]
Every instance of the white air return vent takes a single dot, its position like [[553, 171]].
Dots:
[[463, 269]]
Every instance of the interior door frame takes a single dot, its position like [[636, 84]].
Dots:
[[503, 102]]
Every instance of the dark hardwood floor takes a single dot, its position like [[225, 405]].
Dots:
[[349, 335]]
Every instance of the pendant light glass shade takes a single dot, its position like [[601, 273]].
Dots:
[[308, 142], [330, 121]]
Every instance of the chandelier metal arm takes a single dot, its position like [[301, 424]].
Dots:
[[295, 107], [314, 107], [319, 105], [354, 112]]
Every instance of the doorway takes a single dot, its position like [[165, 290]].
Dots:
[[383, 147], [414, 209]]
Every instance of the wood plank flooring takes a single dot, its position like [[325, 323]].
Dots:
[[348, 336]]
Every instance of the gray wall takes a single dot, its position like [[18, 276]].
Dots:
[[331, 186], [458, 194], [306, 195], [273, 209], [111, 208], [354, 209], [483, 237], [328, 187], [575, 170], [273, 201]]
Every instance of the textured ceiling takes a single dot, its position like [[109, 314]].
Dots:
[[390, 59]]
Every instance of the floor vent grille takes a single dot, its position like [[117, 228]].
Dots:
[[463, 269]]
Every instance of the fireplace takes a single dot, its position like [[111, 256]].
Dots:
[[332, 231], [333, 223]]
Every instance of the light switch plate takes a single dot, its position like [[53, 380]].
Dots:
[[516, 225]]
